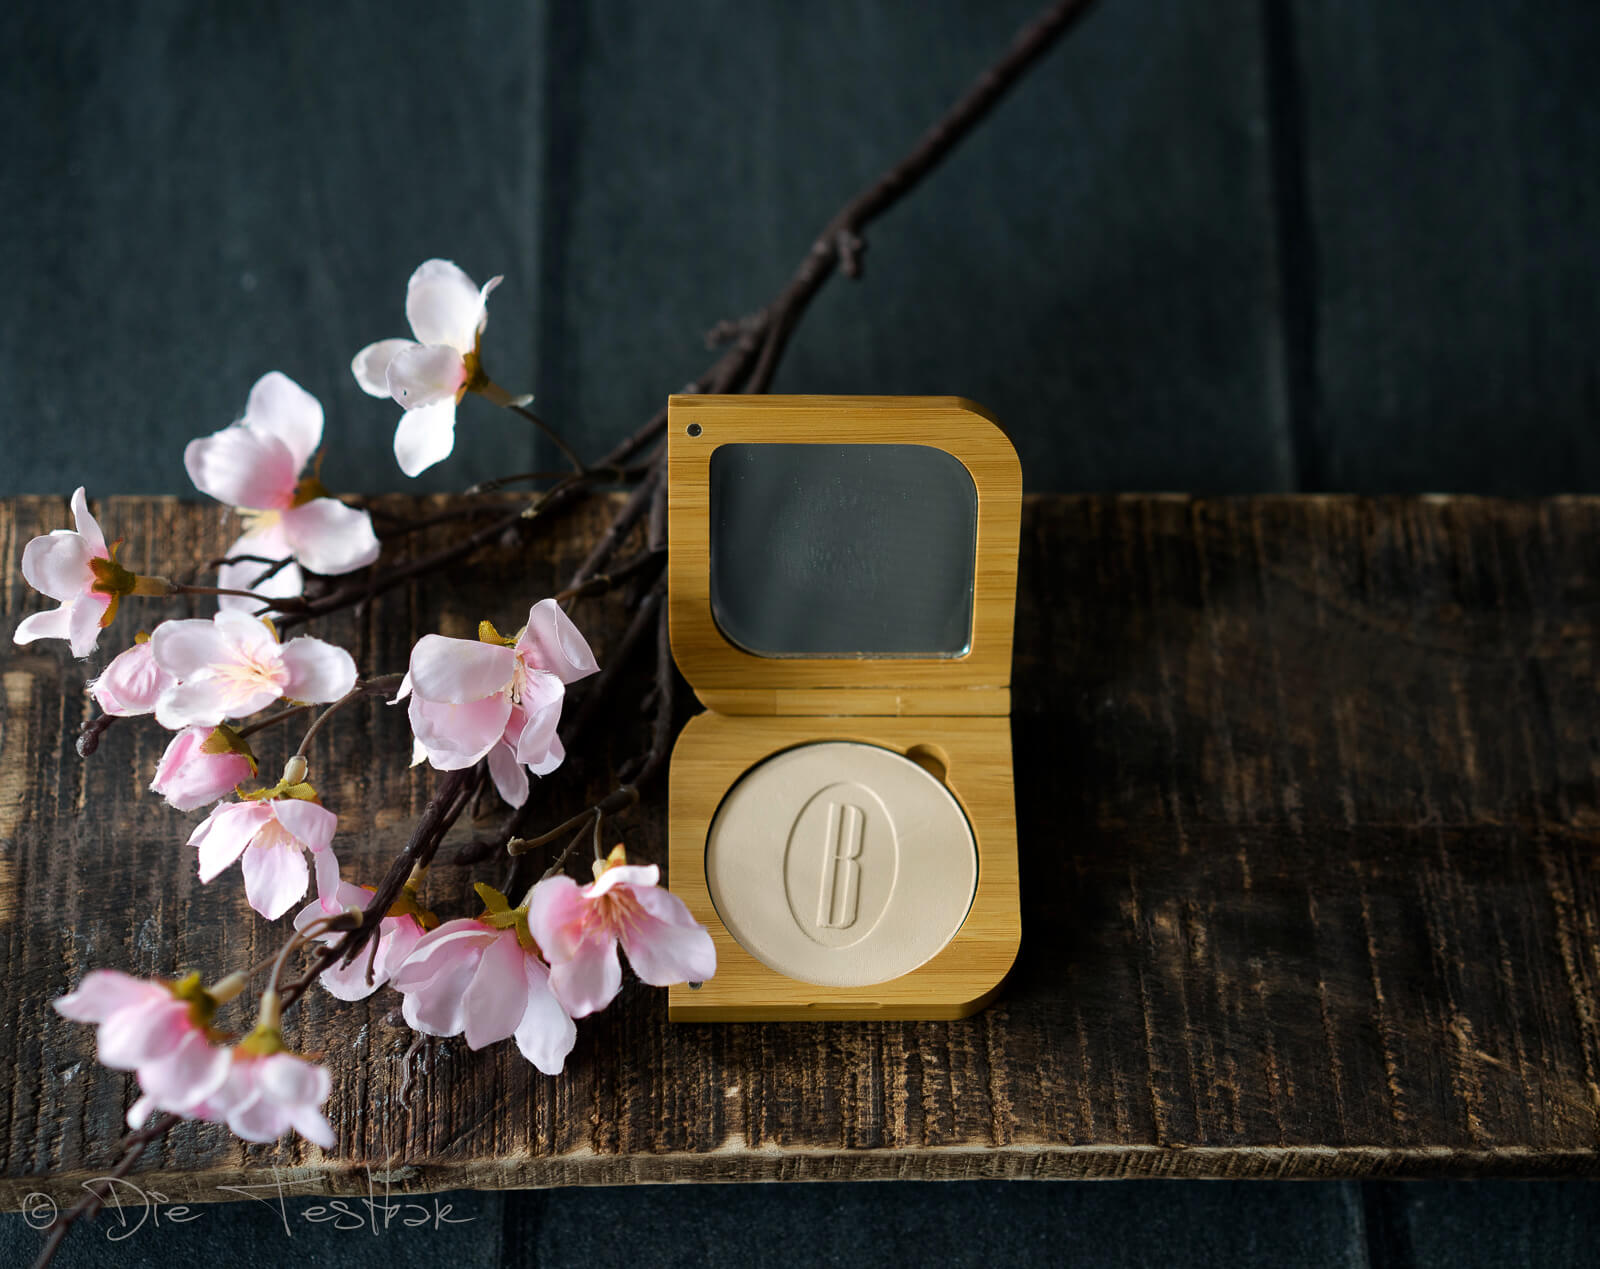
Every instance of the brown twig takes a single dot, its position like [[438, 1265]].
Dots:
[[840, 244]]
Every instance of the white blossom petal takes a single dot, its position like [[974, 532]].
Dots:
[[275, 878], [318, 671], [88, 527], [243, 467], [426, 374], [460, 670], [444, 305], [371, 365], [425, 437], [330, 538], [280, 407], [57, 565]]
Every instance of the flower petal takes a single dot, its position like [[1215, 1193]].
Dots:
[[425, 436], [290, 1080], [188, 1074], [309, 824], [54, 623], [555, 916], [83, 622], [142, 1033], [435, 1007], [668, 945], [88, 527], [185, 648], [546, 1033], [330, 538], [590, 979], [205, 702], [553, 643], [426, 374], [510, 776], [371, 365], [131, 684], [542, 695], [456, 736], [275, 878], [57, 565], [456, 671], [104, 991], [280, 407], [223, 835], [454, 941], [318, 671], [444, 305], [243, 468], [498, 994]]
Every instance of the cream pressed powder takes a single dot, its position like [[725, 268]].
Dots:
[[841, 864]]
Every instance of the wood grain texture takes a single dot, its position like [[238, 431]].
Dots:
[[1309, 804]]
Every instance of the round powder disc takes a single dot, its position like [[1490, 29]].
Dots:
[[841, 864]]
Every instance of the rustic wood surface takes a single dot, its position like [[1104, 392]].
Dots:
[[1309, 808]]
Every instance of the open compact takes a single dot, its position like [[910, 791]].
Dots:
[[841, 589]]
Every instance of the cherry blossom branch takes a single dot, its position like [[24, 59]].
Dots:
[[96, 1193], [840, 244]]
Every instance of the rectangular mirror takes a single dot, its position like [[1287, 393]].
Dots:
[[842, 550]]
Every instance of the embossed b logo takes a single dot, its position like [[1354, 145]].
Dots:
[[840, 864], [841, 871]]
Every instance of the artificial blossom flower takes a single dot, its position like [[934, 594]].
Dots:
[[202, 764], [430, 375], [75, 568], [132, 683], [269, 836], [233, 665], [265, 1090], [497, 697], [398, 932], [161, 1030], [483, 978], [579, 929], [257, 465]]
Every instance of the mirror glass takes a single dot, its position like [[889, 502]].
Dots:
[[843, 550]]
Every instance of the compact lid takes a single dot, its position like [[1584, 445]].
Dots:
[[821, 545]]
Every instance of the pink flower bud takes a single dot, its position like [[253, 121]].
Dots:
[[132, 683], [189, 777]]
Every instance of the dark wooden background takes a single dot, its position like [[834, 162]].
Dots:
[[1262, 245]]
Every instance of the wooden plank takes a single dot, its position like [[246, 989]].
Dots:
[[1309, 814]]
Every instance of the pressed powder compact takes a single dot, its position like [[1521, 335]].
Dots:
[[841, 589]]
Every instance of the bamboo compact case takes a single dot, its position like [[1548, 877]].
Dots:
[[841, 588]]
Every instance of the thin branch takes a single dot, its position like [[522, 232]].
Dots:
[[840, 244], [566, 450]]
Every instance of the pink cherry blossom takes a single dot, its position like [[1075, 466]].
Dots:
[[270, 838], [447, 312], [257, 465], [262, 1095], [469, 978], [160, 1030], [579, 929], [189, 776], [233, 665], [472, 699], [397, 937], [66, 565], [132, 683]]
